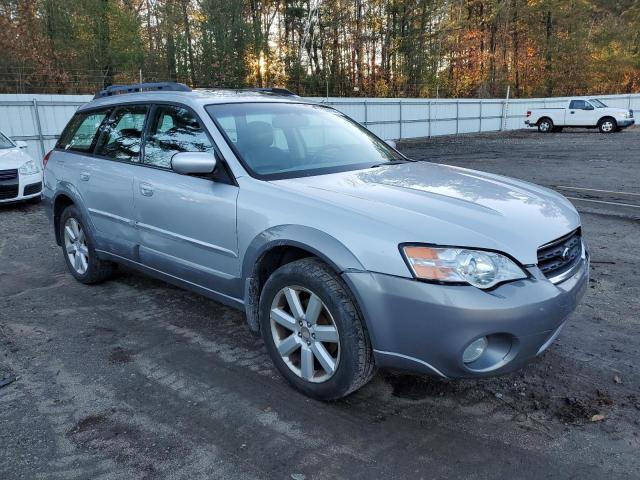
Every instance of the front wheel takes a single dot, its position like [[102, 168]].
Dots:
[[545, 125], [607, 125], [313, 330]]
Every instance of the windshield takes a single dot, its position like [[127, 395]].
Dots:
[[597, 103], [286, 140], [5, 142]]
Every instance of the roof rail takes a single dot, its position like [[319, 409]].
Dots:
[[272, 91], [139, 87]]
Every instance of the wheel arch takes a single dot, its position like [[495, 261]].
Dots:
[[64, 197], [605, 117], [283, 244], [544, 118]]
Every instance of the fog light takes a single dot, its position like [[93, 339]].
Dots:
[[474, 350]]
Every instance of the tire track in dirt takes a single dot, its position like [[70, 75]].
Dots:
[[100, 436]]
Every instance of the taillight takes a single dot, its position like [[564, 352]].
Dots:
[[528, 114], [45, 159]]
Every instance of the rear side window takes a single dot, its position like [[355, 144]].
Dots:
[[173, 129], [121, 136], [81, 131]]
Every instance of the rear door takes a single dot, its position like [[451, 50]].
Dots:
[[105, 179], [581, 114], [187, 224]]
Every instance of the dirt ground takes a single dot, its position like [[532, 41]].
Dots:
[[136, 379]]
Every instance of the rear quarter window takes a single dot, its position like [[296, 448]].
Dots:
[[81, 131]]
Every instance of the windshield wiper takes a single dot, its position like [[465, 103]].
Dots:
[[390, 162]]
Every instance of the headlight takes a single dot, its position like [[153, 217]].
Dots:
[[479, 268], [629, 114], [29, 168]]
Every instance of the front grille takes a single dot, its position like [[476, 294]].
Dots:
[[32, 188], [8, 174], [559, 256], [8, 191]]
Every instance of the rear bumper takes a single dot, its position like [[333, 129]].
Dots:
[[426, 327]]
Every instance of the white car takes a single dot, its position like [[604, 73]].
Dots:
[[20, 175], [580, 113]]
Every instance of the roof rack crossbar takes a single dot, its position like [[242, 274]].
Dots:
[[139, 87], [273, 91]]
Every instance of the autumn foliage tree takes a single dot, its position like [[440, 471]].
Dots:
[[464, 48]]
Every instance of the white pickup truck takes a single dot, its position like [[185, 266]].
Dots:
[[591, 113]]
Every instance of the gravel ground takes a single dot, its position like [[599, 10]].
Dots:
[[137, 379]]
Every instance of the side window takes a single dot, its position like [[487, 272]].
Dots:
[[172, 130], [81, 131], [121, 137], [577, 104]]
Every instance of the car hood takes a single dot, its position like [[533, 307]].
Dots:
[[11, 158], [614, 110], [444, 205]]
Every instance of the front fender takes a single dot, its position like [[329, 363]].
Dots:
[[321, 244], [317, 242]]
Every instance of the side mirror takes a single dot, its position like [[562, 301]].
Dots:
[[21, 144], [391, 143], [193, 163]]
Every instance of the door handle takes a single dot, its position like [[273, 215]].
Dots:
[[572, 112], [146, 189], [84, 176]]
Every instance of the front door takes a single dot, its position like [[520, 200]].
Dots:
[[581, 114], [187, 224]]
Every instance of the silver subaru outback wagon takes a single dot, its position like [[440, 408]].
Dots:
[[344, 254]]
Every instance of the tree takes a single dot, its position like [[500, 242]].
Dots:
[[473, 48]]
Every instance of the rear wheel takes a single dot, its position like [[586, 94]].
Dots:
[[79, 249], [313, 331], [607, 125], [545, 125]]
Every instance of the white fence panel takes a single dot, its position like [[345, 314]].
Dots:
[[39, 119]]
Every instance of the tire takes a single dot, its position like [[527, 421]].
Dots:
[[319, 289], [545, 125], [86, 267], [607, 125]]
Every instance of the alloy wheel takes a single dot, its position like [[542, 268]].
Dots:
[[545, 126], [75, 245], [305, 334], [607, 126]]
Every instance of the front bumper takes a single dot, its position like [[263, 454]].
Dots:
[[626, 122], [26, 187], [426, 327]]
